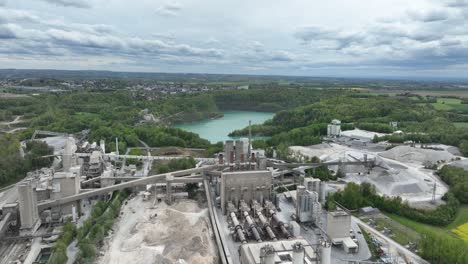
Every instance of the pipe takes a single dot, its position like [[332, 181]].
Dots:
[[238, 228], [284, 231], [252, 226], [267, 226]]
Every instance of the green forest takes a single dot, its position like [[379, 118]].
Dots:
[[14, 166], [420, 122]]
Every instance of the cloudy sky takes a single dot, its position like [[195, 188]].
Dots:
[[364, 38]]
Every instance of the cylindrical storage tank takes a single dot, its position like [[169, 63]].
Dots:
[[102, 144], [298, 253], [325, 250], [267, 255], [228, 148], [239, 149], [231, 156], [323, 193]]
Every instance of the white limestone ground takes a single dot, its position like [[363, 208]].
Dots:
[[408, 154], [398, 172], [178, 234], [361, 133]]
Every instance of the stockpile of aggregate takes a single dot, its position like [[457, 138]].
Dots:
[[179, 233], [417, 155]]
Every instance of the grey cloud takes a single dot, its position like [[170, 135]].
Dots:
[[11, 15], [419, 45], [70, 3], [169, 9], [428, 16], [456, 3], [314, 33], [256, 51], [127, 45], [282, 56], [341, 39], [6, 32], [87, 39]]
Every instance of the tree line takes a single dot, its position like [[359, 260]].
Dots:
[[355, 196], [14, 166]]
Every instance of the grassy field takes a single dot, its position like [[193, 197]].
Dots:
[[419, 227], [462, 231], [460, 222], [460, 225], [436, 93], [461, 218], [400, 233], [447, 104]]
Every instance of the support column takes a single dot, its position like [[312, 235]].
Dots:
[[169, 180]]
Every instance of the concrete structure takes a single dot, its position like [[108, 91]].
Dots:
[[29, 216], [64, 185], [229, 154], [349, 245], [308, 208], [240, 154], [338, 224], [68, 159], [134, 183], [296, 251], [246, 186], [238, 151], [369, 210], [316, 185], [334, 129], [295, 228], [96, 165], [325, 253]]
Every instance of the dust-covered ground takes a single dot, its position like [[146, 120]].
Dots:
[[398, 172], [180, 233]]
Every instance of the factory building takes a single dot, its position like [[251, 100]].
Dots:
[[316, 185], [295, 251], [246, 186], [338, 226], [92, 159], [334, 129], [95, 166], [65, 184], [308, 207]]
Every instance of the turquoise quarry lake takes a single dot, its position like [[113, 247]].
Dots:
[[218, 129]]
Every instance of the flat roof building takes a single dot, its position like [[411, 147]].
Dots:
[[246, 186], [276, 252]]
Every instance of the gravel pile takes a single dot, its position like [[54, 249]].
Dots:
[[417, 155]]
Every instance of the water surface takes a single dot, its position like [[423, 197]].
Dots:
[[218, 129]]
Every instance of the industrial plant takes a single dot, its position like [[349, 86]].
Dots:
[[255, 210]]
